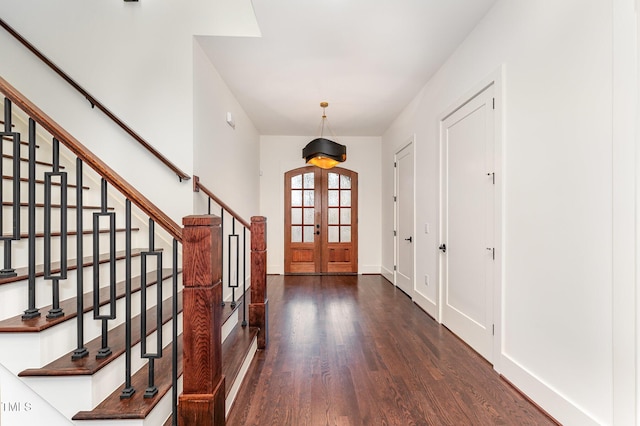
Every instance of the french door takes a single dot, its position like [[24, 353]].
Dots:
[[321, 221]]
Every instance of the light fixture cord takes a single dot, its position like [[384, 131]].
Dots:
[[322, 123], [324, 118], [329, 127]]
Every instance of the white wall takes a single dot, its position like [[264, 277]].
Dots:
[[557, 313], [279, 154], [227, 160], [135, 58]]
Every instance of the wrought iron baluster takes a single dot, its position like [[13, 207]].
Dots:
[[8, 270], [80, 351], [32, 311], [233, 275], [151, 390], [105, 350], [128, 390], [55, 310], [174, 335]]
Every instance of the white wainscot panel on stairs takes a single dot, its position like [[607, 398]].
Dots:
[[22, 406]]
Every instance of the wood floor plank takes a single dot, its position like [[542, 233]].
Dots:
[[353, 350]]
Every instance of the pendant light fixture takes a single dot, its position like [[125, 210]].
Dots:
[[323, 152]]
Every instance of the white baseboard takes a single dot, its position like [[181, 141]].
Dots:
[[554, 403], [426, 304], [387, 274], [369, 269]]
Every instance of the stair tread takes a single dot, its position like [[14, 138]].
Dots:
[[18, 325], [137, 407], [10, 139], [41, 182], [72, 233], [234, 350], [65, 366], [233, 355], [23, 273], [227, 310], [26, 160], [55, 206]]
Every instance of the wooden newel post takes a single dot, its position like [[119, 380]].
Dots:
[[202, 399], [259, 306]]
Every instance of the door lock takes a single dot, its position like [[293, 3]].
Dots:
[[443, 247]]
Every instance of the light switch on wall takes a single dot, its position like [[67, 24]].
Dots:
[[230, 121]]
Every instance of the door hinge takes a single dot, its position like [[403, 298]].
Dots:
[[395, 233], [395, 267], [494, 103], [493, 329], [395, 164], [395, 198], [493, 252], [493, 177]]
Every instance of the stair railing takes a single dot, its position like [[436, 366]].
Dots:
[[94, 102], [203, 267], [235, 254], [234, 259], [156, 310]]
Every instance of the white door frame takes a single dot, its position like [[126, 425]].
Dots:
[[495, 79], [396, 238]]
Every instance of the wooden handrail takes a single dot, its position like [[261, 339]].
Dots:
[[90, 159], [197, 186], [94, 102]]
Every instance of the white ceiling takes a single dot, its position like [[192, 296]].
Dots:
[[367, 58]]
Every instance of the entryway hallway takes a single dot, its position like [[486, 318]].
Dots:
[[353, 350]]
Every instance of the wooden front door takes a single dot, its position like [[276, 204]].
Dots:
[[321, 221]]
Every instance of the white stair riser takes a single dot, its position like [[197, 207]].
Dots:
[[14, 296], [235, 386], [34, 350], [86, 392]]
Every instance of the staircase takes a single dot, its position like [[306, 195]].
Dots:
[[92, 298]]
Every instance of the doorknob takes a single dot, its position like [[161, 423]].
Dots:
[[443, 247], [409, 239]]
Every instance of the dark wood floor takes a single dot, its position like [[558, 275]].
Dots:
[[349, 350]]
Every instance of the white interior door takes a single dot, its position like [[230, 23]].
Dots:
[[404, 220], [468, 222]]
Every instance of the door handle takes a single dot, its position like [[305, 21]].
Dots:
[[409, 239], [443, 247]]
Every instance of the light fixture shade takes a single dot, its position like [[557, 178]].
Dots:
[[324, 153]]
